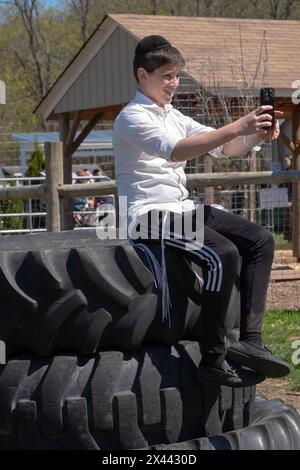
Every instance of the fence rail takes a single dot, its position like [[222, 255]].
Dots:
[[239, 178], [15, 193], [194, 181]]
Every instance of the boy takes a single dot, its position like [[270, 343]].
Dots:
[[152, 142]]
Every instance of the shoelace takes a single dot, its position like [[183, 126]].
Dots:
[[229, 369]]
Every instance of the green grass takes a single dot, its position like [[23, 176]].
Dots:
[[281, 328]]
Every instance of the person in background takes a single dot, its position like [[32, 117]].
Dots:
[[100, 176]]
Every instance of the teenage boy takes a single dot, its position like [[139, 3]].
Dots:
[[152, 142]]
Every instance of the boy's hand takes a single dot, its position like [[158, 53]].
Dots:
[[254, 122], [274, 132]]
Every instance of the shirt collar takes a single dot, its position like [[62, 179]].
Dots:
[[146, 102]]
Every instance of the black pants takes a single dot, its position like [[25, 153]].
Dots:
[[233, 249]]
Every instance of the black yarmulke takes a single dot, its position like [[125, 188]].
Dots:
[[151, 43]]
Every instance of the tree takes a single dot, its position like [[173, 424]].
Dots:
[[34, 49], [82, 9], [38, 47], [276, 9]]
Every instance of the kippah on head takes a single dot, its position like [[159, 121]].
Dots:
[[151, 43]]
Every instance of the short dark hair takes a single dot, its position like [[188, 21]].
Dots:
[[155, 59]]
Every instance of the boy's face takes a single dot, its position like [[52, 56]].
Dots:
[[159, 85]]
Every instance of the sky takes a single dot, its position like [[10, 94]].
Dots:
[[51, 2]]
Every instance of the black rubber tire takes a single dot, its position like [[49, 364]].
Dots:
[[115, 400], [74, 294], [275, 426], [70, 292]]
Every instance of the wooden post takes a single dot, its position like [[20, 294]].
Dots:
[[64, 129], [296, 186], [208, 168], [54, 177], [2, 92]]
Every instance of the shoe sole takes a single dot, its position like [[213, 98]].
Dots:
[[266, 367], [204, 377]]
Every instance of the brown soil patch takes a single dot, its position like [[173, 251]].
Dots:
[[276, 388], [282, 295]]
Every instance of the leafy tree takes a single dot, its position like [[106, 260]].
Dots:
[[37, 162], [34, 50]]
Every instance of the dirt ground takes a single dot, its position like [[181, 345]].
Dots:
[[282, 295], [275, 388]]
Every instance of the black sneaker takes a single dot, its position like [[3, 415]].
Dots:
[[258, 358], [226, 374]]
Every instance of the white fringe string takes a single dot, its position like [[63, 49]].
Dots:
[[159, 273]]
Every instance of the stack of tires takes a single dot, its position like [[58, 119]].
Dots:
[[91, 365]]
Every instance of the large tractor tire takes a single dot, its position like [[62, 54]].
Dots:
[[275, 426], [91, 364], [144, 400], [115, 400]]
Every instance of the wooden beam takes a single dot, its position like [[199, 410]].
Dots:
[[252, 192], [285, 105], [290, 144], [285, 275], [106, 111], [296, 186], [88, 189], [84, 133], [64, 129], [196, 180], [237, 178], [54, 177], [72, 132], [15, 193], [208, 168]]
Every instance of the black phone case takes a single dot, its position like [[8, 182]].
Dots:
[[267, 96]]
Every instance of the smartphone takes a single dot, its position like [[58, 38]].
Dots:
[[267, 96]]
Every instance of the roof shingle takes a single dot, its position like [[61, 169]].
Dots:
[[223, 44]]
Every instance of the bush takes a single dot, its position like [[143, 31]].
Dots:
[[11, 207], [36, 162]]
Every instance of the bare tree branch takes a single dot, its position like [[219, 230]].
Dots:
[[82, 8]]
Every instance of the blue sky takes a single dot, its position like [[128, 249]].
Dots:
[[51, 2]]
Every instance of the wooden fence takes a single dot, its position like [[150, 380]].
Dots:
[[55, 192]]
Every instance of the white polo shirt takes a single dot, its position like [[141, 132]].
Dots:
[[144, 136]]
